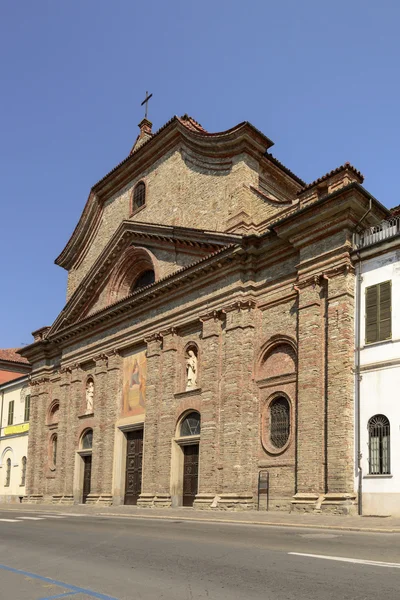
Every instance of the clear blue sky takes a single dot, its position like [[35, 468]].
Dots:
[[321, 79]]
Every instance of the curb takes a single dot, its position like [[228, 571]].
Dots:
[[51, 508], [264, 523]]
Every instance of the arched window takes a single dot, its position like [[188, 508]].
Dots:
[[23, 470], [146, 278], [190, 425], [379, 445], [87, 440], [139, 195], [279, 422], [53, 451], [8, 473]]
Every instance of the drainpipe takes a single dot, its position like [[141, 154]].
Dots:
[[358, 379], [357, 361]]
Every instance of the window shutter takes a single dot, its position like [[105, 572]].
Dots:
[[385, 310], [371, 314]]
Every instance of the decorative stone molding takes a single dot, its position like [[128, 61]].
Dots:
[[154, 345], [169, 340], [211, 324], [239, 314]]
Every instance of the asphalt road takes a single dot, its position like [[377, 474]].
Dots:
[[46, 555]]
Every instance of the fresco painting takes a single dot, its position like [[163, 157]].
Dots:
[[134, 384]]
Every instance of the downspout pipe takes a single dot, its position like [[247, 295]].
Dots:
[[357, 364], [358, 380]]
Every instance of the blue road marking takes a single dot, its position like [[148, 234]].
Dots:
[[73, 588], [60, 596]]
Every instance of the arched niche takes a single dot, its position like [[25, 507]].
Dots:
[[135, 264], [278, 358], [53, 413]]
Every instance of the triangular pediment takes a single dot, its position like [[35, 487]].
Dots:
[[171, 249]]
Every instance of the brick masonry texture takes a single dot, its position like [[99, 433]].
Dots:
[[273, 317]]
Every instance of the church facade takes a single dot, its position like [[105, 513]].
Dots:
[[205, 353]]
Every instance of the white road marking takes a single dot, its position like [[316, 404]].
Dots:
[[9, 521], [357, 561], [31, 518], [51, 517]]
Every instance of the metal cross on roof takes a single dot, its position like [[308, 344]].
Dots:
[[145, 101]]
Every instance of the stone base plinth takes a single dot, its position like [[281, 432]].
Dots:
[[234, 502], [332, 502], [146, 500], [204, 501], [339, 504], [104, 499], [33, 499], [162, 501], [306, 502]]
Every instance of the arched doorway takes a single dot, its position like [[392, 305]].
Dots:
[[188, 440]]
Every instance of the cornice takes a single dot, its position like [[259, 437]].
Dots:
[[146, 295], [125, 235]]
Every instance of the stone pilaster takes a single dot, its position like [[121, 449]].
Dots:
[[37, 440], [238, 409], [65, 465], [100, 410], [167, 416], [340, 496], [76, 408], [109, 415], [310, 427], [211, 356], [150, 444]]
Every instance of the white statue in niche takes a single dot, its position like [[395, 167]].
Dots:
[[89, 396], [191, 371]]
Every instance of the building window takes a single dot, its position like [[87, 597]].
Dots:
[[53, 451], [190, 424], [279, 422], [379, 445], [146, 278], [139, 196], [87, 440], [10, 419], [23, 470], [8, 473], [27, 408], [378, 312]]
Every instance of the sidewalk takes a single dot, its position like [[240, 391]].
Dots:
[[281, 519]]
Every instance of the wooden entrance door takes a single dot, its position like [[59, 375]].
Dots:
[[190, 473], [134, 457], [87, 476]]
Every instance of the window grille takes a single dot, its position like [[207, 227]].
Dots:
[[280, 422], [8, 473], [139, 195], [379, 445], [191, 425], [27, 408], [10, 419], [23, 470]]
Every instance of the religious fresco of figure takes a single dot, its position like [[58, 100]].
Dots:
[[134, 384]]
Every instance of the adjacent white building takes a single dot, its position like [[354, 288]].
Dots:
[[377, 368], [14, 428]]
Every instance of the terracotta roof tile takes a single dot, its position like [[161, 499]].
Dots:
[[395, 211], [190, 123], [10, 354], [346, 165]]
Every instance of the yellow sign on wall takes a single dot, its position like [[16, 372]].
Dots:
[[13, 429]]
